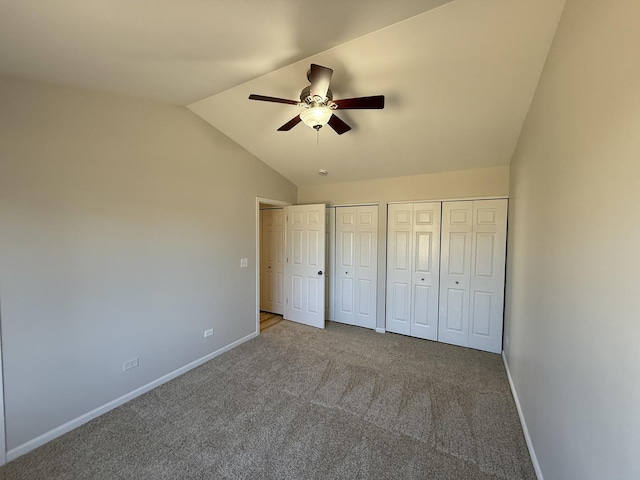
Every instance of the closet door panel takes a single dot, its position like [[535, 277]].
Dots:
[[458, 257], [423, 254], [481, 314], [422, 311], [425, 270], [456, 308], [365, 297], [398, 307], [366, 266], [487, 275], [345, 264], [401, 256], [455, 272], [365, 250], [399, 276], [345, 299]]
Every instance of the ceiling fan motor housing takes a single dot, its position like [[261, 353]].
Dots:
[[308, 99]]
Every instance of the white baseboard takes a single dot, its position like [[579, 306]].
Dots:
[[380, 330], [532, 452], [82, 419]]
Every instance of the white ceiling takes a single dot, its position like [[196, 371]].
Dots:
[[458, 76], [178, 51]]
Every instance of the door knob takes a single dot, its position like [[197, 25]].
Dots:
[[320, 272]]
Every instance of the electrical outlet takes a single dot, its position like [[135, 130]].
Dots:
[[208, 333], [506, 341], [133, 363], [244, 262]]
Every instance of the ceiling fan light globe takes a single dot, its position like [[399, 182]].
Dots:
[[316, 117]]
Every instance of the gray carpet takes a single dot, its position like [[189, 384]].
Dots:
[[301, 403]]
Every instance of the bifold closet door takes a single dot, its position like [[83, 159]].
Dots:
[[356, 265], [272, 261], [413, 249], [472, 273]]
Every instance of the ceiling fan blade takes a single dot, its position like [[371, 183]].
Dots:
[[338, 125], [320, 77], [290, 124], [272, 99], [361, 103]]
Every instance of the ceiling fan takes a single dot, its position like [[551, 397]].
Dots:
[[319, 105]]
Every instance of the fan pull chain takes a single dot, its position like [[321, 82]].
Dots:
[[318, 138]]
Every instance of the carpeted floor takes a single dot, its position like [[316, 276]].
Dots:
[[302, 403]]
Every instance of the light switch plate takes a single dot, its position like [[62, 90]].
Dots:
[[244, 262]]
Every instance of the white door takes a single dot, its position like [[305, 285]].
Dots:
[[356, 265], [305, 264], [455, 272], [345, 265], [472, 273], [272, 261], [488, 253], [366, 262], [413, 269], [399, 243], [425, 270]]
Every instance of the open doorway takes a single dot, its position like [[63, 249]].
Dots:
[[300, 289], [269, 262]]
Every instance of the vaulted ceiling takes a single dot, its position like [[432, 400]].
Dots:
[[458, 75]]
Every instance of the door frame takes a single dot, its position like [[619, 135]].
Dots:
[[275, 203]]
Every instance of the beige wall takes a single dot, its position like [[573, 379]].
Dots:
[[573, 303], [122, 223], [475, 183], [481, 182]]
